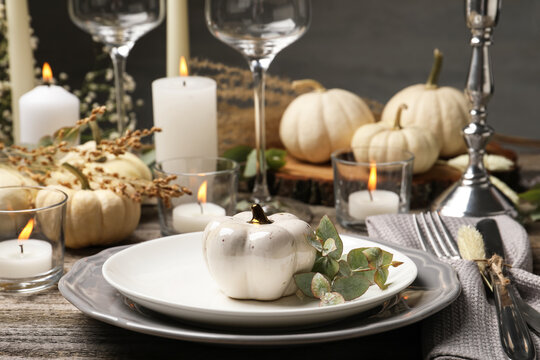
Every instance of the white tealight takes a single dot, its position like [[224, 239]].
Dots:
[[362, 205], [194, 216], [35, 259]]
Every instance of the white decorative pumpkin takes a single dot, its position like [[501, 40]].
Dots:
[[127, 164], [421, 143], [317, 123], [251, 256], [442, 110]]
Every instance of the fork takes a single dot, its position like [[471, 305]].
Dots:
[[438, 238]]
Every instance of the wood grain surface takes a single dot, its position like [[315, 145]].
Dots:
[[45, 325]]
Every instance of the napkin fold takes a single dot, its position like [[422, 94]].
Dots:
[[467, 329]]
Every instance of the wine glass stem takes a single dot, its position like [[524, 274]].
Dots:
[[260, 189], [118, 56]]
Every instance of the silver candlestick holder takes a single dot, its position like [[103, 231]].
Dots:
[[474, 194]]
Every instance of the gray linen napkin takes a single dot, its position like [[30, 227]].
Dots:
[[467, 329]]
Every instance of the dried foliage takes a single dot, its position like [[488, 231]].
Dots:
[[43, 164]]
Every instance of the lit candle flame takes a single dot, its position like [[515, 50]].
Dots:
[[47, 73], [183, 67], [201, 194], [25, 233], [372, 181], [27, 230]]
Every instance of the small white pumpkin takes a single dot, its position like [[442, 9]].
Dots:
[[126, 165], [93, 217], [421, 143], [442, 110], [251, 256], [14, 200], [317, 123]]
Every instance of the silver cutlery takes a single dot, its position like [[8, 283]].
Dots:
[[513, 330], [514, 334]]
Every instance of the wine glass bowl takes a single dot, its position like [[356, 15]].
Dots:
[[271, 25], [259, 30], [118, 24]]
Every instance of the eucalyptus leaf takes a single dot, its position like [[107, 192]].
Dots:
[[351, 287], [332, 298], [326, 266], [314, 241], [320, 285], [357, 259], [386, 258], [374, 256], [303, 281], [327, 230], [328, 247], [380, 277], [344, 268]]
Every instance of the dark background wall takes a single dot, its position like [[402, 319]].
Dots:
[[371, 47]]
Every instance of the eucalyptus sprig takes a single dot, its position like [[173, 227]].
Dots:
[[337, 277]]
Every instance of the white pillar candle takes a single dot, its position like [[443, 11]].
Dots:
[[34, 260], [21, 58], [185, 108], [361, 205], [177, 34], [45, 109], [194, 216]]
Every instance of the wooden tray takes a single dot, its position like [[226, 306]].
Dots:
[[313, 184]]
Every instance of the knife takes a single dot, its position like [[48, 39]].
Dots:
[[513, 331]]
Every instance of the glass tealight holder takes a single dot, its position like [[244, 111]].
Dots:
[[214, 185], [371, 181], [31, 238]]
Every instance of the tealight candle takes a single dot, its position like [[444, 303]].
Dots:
[[369, 202], [45, 109], [24, 257], [362, 204], [185, 108], [195, 216]]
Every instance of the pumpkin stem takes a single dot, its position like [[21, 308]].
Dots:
[[259, 217], [310, 83], [85, 185], [96, 133], [397, 121], [432, 81]]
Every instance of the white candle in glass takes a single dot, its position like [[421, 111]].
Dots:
[[193, 216], [45, 109], [185, 108], [362, 204], [35, 259], [24, 257], [370, 202]]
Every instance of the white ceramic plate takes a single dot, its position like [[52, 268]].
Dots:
[[169, 275]]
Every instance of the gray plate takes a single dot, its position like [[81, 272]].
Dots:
[[435, 287]]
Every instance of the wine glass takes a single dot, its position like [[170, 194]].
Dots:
[[117, 24], [259, 29]]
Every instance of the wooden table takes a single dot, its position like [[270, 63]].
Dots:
[[46, 325]]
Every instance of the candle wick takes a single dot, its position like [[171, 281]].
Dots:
[[184, 83], [370, 195], [200, 205], [22, 248]]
